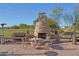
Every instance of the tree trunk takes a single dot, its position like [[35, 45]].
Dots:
[[74, 35]]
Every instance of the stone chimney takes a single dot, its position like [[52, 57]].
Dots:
[[42, 30]]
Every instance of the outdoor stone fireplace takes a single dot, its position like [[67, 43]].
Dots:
[[42, 29]]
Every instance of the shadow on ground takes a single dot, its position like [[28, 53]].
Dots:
[[55, 46], [5, 54], [58, 47], [10, 54], [51, 53], [40, 48]]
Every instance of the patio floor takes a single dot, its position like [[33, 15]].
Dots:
[[63, 49]]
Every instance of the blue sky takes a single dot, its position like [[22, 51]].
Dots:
[[14, 14]]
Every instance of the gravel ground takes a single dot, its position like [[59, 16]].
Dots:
[[63, 49]]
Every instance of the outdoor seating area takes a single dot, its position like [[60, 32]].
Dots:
[[42, 38], [42, 34]]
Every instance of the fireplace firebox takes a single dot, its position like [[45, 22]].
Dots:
[[42, 35]]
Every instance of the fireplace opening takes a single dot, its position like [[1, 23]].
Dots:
[[42, 35]]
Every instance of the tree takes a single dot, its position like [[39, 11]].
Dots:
[[76, 16], [52, 23], [23, 26], [76, 22], [68, 19], [57, 13]]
